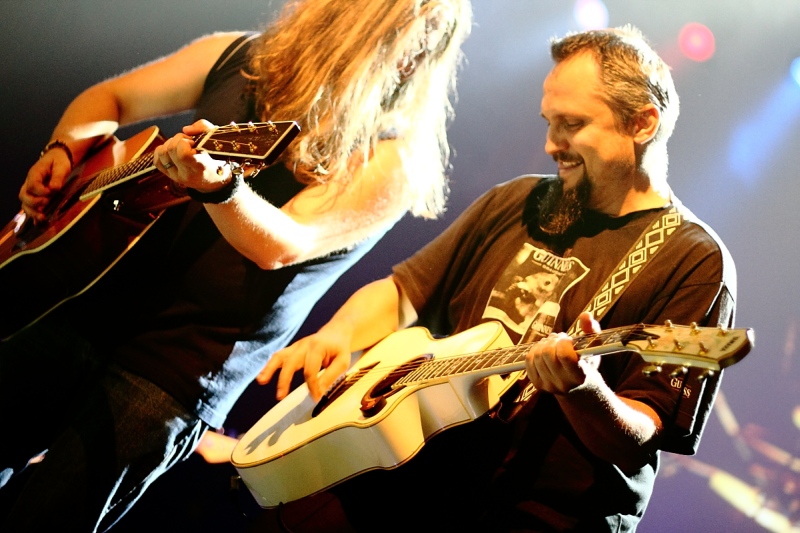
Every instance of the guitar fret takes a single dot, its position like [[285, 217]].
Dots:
[[454, 366], [475, 362], [463, 366], [509, 358], [112, 175], [427, 370], [433, 369], [500, 357], [495, 358], [508, 355], [417, 374], [517, 354], [489, 359]]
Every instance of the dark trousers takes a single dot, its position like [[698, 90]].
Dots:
[[107, 434]]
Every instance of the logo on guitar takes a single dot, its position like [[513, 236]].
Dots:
[[527, 393]]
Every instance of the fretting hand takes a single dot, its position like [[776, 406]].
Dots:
[[178, 159]]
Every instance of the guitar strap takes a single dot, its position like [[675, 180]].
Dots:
[[643, 250], [649, 243]]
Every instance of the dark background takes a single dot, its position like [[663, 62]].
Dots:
[[733, 161]]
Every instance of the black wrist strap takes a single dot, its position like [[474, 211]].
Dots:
[[55, 143], [220, 196]]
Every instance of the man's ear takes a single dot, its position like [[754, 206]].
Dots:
[[645, 124]]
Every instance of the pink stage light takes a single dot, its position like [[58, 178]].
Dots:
[[696, 42]]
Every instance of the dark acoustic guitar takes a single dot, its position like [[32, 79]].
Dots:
[[109, 202]]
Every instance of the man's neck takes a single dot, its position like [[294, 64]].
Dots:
[[637, 200], [647, 189]]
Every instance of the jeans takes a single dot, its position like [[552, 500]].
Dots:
[[108, 434]]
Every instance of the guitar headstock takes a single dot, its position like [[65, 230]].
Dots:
[[690, 346], [261, 141]]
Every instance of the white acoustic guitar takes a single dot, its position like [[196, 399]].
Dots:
[[409, 387]]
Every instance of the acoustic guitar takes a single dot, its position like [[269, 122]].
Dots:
[[109, 202], [409, 387]]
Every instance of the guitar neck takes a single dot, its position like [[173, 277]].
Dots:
[[106, 179], [688, 346], [499, 360], [252, 146]]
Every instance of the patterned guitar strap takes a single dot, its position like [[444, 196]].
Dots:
[[649, 243], [644, 249]]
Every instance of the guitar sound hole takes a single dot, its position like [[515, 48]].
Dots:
[[374, 400], [339, 388]]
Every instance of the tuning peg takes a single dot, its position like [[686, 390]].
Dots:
[[679, 372], [254, 172], [695, 329], [705, 375], [703, 348], [236, 168], [651, 343], [251, 127], [668, 324], [271, 126], [678, 345], [722, 331], [651, 370]]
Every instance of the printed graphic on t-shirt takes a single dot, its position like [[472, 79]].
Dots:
[[527, 295]]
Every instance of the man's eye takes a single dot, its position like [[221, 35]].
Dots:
[[573, 125]]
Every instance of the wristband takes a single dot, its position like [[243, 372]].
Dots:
[[220, 196], [55, 143]]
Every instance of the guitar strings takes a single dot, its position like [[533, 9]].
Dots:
[[146, 163], [624, 334], [126, 170]]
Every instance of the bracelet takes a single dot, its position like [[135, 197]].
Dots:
[[221, 195], [55, 143]]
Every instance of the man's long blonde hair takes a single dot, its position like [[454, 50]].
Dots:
[[354, 71]]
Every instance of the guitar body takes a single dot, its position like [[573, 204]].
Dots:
[[296, 450], [44, 265]]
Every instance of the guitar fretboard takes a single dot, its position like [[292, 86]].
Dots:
[[500, 359], [131, 169], [254, 145]]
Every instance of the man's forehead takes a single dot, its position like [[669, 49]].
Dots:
[[580, 72], [571, 85]]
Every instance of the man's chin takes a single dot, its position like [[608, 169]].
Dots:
[[562, 207], [571, 177]]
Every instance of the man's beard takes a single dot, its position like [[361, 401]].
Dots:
[[560, 209]]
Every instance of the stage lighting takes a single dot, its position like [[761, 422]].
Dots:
[[591, 14], [794, 70], [696, 42], [759, 138]]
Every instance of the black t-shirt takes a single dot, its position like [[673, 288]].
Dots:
[[534, 473]]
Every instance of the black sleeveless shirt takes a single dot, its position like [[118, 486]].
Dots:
[[208, 319]]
